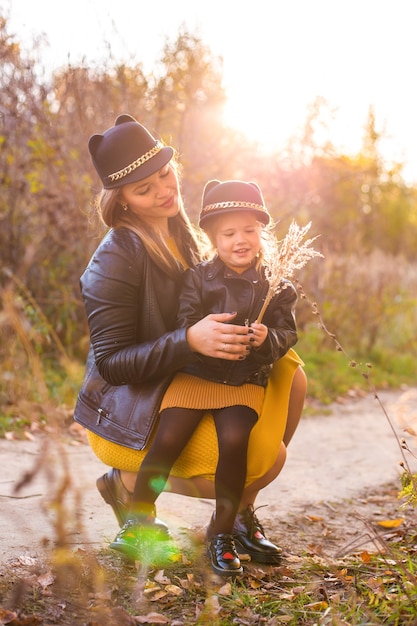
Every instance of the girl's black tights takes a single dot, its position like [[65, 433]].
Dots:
[[176, 425]]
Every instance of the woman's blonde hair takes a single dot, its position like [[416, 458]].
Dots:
[[111, 212]]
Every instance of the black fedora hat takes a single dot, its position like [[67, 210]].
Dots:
[[231, 196], [127, 153]]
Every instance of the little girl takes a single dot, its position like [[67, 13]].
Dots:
[[235, 219]]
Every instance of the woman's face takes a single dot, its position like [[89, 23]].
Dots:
[[237, 237], [153, 199]]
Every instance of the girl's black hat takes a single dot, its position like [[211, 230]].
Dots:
[[231, 196]]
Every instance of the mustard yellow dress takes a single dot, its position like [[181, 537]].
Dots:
[[199, 457]]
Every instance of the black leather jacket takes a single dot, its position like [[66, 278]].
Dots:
[[136, 348], [212, 287]]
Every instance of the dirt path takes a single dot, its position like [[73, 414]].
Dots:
[[332, 460]]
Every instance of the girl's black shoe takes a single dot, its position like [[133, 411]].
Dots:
[[250, 538], [223, 556]]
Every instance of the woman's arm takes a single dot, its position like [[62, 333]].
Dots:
[[128, 333]]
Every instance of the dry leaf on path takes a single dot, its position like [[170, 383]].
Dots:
[[152, 618], [391, 523]]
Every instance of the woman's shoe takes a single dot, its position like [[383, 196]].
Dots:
[[250, 538], [140, 539], [223, 556], [113, 491]]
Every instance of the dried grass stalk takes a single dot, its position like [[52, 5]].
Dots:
[[283, 258]]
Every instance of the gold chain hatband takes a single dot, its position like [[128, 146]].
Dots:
[[234, 205], [140, 161]]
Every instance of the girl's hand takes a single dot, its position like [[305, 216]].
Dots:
[[212, 336], [260, 333]]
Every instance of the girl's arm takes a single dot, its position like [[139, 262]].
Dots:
[[278, 333]]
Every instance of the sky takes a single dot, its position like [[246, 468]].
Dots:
[[279, 56]]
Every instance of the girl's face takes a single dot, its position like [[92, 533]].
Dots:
[[237, 237], [153, 199]]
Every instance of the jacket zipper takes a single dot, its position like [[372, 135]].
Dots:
[[101, 413]]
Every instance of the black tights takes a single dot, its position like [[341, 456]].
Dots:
[[233, 427]]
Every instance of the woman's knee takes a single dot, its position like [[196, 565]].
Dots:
[[269, 475], [295, 404], [299, 384]]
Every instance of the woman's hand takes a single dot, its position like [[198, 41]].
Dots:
[[212, 336]]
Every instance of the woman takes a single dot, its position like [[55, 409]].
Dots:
[[130, 291]]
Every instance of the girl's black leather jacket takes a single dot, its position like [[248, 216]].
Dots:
[[131, 308], [212, 287]]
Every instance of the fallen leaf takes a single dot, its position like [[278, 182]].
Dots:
[[247, 616], [174, 590], [186, 583], [285, 572], [317, 606], [26, 560], [7, 616], [151, 618], [161, 578], [375, 584], [391, 523], [157, 594], [150, 587], [365, 556], [287, 596], [212, 604], [341, 572], [46, 579], [25, 620], [293, 558], [225, 590]]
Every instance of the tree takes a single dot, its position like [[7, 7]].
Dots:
[[355, 203]]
